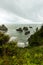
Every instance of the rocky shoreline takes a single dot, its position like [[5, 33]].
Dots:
[[15, 39]]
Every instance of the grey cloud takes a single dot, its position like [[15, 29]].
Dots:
[[25, 8]]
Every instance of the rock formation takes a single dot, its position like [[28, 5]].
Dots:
[[27, 32], [19, 29], [3, 28], [25, 28]]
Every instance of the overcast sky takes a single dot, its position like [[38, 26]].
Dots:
[[20, 11]]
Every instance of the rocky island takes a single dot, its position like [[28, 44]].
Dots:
[[25, 28], [27, 32], [19, 29], [3, 28]]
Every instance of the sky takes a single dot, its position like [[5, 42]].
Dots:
[[21, 11]]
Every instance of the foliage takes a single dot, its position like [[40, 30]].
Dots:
[[3, 38], [37, 38], [10, 54], [19, 56]]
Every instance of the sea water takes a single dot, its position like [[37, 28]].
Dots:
[[21, 35]]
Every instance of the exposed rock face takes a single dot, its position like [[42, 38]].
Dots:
[[25, 28], [3, 28], [27, 32], [19, 29]]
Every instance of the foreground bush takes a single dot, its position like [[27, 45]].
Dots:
[[3, 38], [19, 56]]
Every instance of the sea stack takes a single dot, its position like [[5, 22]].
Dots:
[[19, 29], [27, 32], [25, 28], [3, 28]]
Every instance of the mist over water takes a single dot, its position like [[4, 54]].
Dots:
[[21, 36]]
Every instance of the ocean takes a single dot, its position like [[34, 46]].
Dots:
[[21, 35]]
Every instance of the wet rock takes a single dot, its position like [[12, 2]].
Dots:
[[30, 27], [28, 32], [19, 29], [3, 28], [25, 28]]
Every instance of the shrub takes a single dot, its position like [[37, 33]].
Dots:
[[4, 39], [37, 38]]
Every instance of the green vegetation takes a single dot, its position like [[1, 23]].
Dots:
[[37, 38], [10, 54]]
